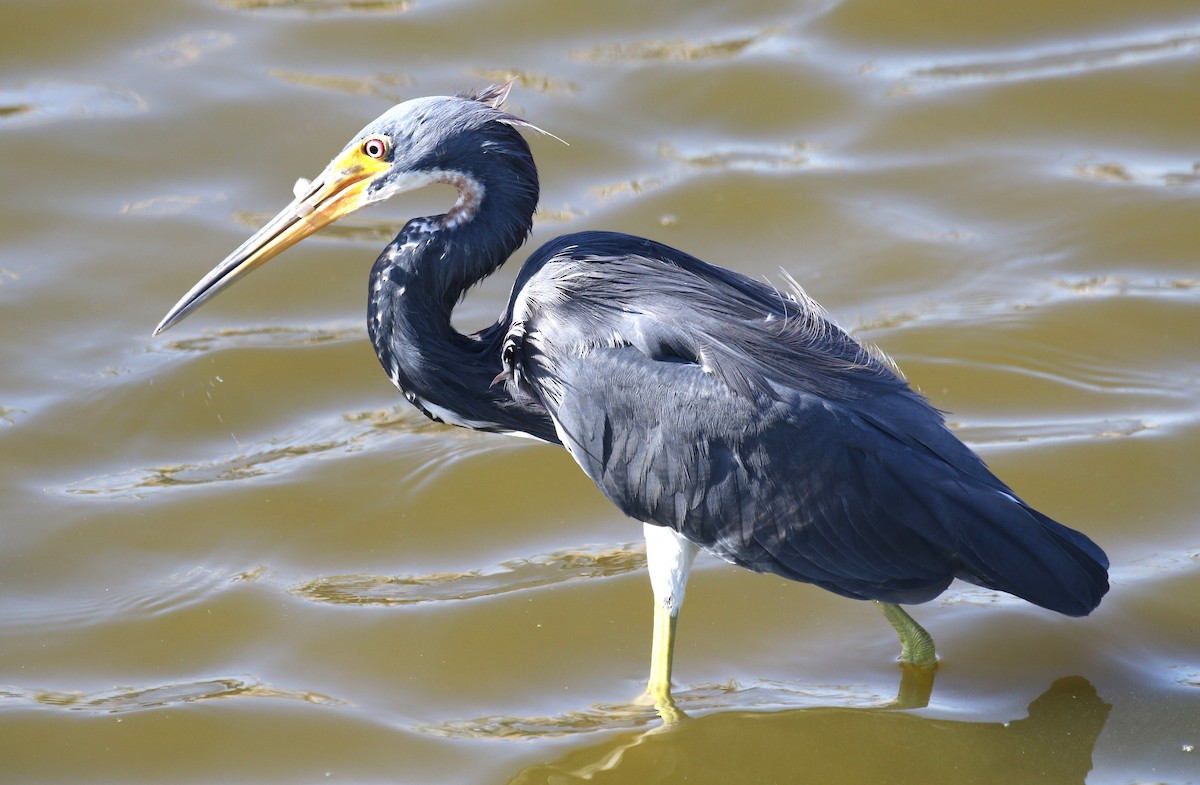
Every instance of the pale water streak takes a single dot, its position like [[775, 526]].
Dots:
[[513, 575], [1057, 61]]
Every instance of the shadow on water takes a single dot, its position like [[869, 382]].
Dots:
[[1054, 743]]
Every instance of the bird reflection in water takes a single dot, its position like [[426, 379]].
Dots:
[[722, 413], [1052, 744]]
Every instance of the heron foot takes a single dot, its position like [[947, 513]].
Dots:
[[916, 645], [659, 696]]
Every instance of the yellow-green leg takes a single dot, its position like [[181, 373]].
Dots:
[[916, 645], [662, 650], [669, 558]]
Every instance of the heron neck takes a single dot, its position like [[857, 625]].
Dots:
[[415, 284]]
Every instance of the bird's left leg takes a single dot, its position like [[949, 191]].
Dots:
[[916, 645], [669, 558]]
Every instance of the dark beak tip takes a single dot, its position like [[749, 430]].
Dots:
[[168, 321]]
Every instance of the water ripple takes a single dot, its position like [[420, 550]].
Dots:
[[370, 231], [383, 85], [127, 699], [1062, 60], [1160, 565], [168, 204], [967, 308], [1056, 430], [527, 80], [761, 158], [1172, 176], [51, 101], [186, 50], [675, 50], [507, 576], [1124, 286], [434, 450], [321, 6], [51, 613], [276, 337], [761, 695]]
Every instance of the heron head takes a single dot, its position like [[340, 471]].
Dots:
[[413, 144]]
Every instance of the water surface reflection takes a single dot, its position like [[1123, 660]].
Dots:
[[1053, 743]]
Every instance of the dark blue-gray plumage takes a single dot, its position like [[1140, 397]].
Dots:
[[717, 410], [749, 423]]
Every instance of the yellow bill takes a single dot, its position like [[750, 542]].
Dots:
[[337, 191]]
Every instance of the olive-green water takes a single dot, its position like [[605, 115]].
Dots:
[[234, 554]]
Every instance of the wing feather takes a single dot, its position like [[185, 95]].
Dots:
[[743, 419]]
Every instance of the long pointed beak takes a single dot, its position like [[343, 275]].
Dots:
[[338, 191]]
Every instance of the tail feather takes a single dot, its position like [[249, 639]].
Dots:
[[1016, 549]]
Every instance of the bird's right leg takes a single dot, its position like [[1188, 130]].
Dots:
[[662, 652], [916, 645]]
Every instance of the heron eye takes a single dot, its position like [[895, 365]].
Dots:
[[375, 147]]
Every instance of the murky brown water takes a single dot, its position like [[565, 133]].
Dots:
[[232, 555]]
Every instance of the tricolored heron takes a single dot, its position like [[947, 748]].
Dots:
[[722, 413]]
